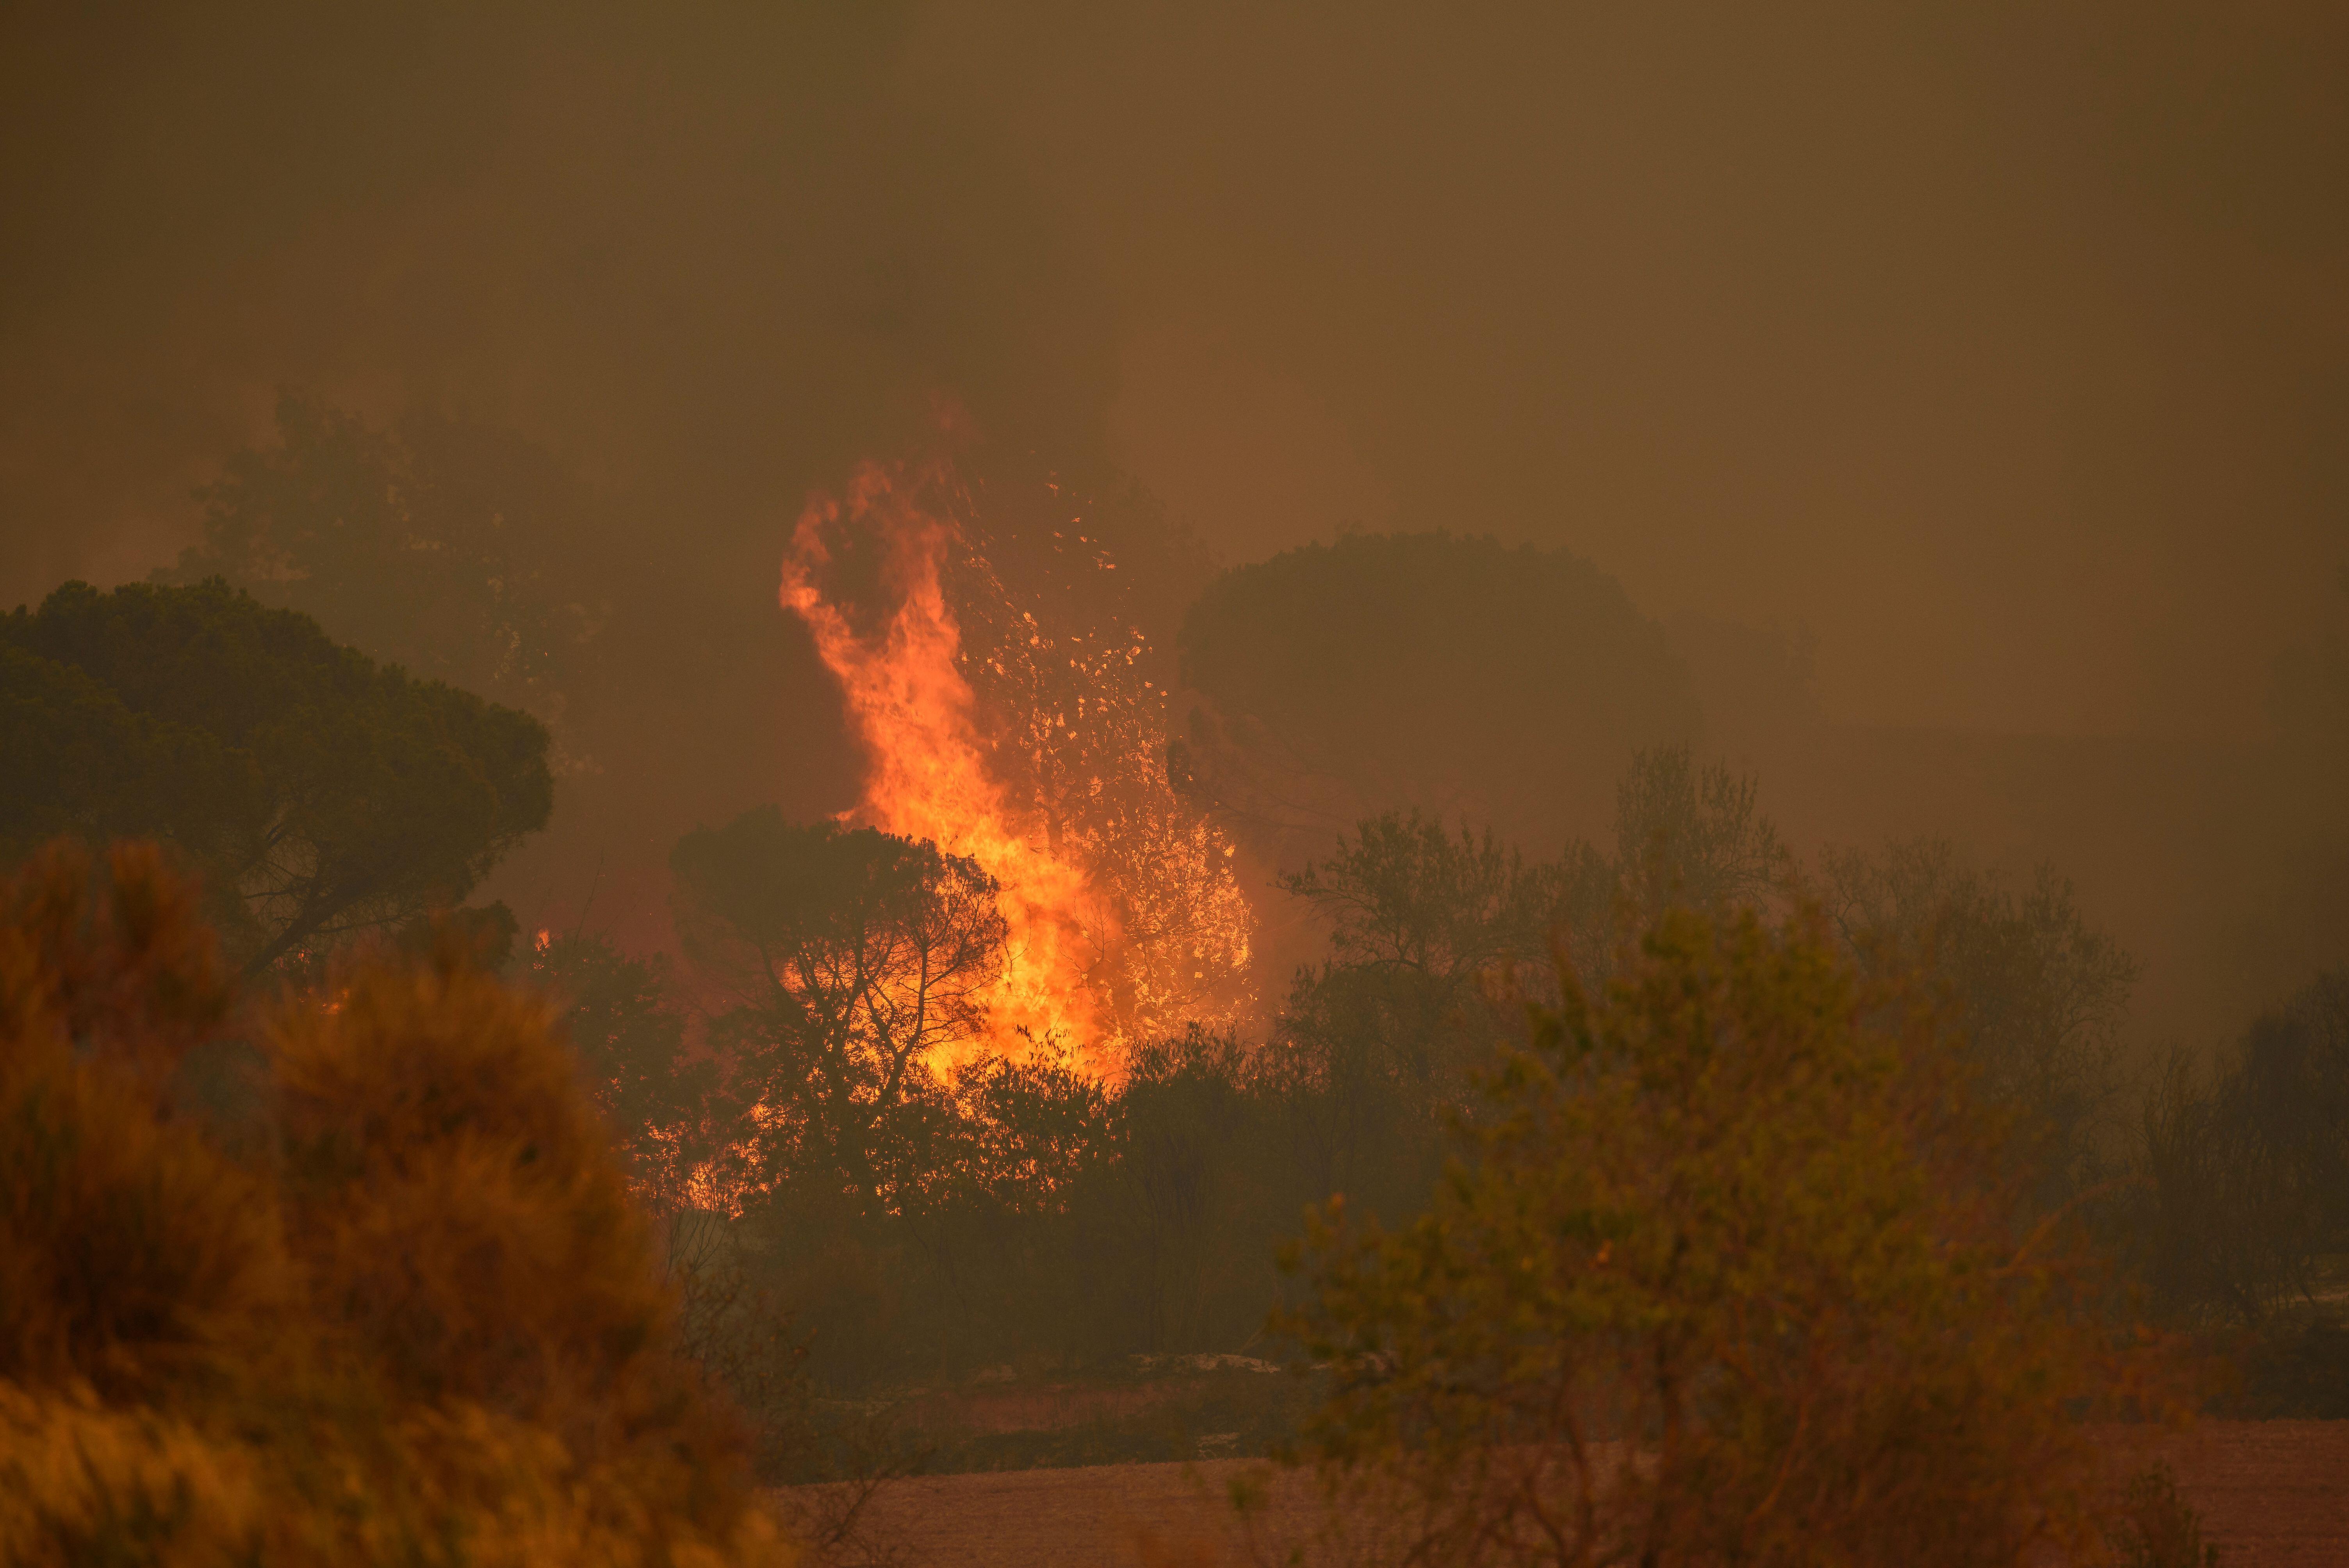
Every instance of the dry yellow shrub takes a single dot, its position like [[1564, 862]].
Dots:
[[133, 1256], [456, 1192], [83, 1484], [419, 1324]]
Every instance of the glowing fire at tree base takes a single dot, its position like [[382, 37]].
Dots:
[[1123, 917]]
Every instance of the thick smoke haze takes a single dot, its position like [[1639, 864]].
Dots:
[[1999, 355]]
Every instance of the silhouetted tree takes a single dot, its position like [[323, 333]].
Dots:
[[2249, 1170], [1423, 922], [2041, 994], [844, 958], [319, 793], [1404, 894], [1694, 836]]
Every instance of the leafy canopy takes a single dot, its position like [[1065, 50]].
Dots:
[[2039, 995], [1728, 1277], [319, 793], [849, 957]]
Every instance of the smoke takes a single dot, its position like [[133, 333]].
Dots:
[[1998, 348]]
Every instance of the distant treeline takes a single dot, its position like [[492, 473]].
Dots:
[[922, 1223]]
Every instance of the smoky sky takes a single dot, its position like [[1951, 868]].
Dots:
[[2002, 347]]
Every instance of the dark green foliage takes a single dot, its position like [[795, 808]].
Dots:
[[1025, 1213], [1071, 1224], [2238, 1222], [1207, 1150], [1428, 931], [319, 793], [1376, 1058], [77, 760], [1437, 939], [2296, 1366], [1067, 1224]]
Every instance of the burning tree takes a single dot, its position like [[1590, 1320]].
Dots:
[[997, 680], [854, 959]]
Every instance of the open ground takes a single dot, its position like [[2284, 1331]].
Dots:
[[2273, 1494]]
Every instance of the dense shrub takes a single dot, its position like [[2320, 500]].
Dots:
[[414, 1320], [1730, 1276]]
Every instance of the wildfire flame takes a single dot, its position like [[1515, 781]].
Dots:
[[1123, 915], [929, 778]]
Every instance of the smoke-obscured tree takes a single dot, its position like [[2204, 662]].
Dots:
[[1727, 1213], [1450, 674], [842, 959], [2249, 1169], [1205, 1139], [1694, 836], [1423, 922], [452, 549], [1436, 939], [1405, 894], [1758, 683], [320, 794], [2041, 996]]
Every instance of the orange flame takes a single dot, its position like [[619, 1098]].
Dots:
[[929, 778]]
